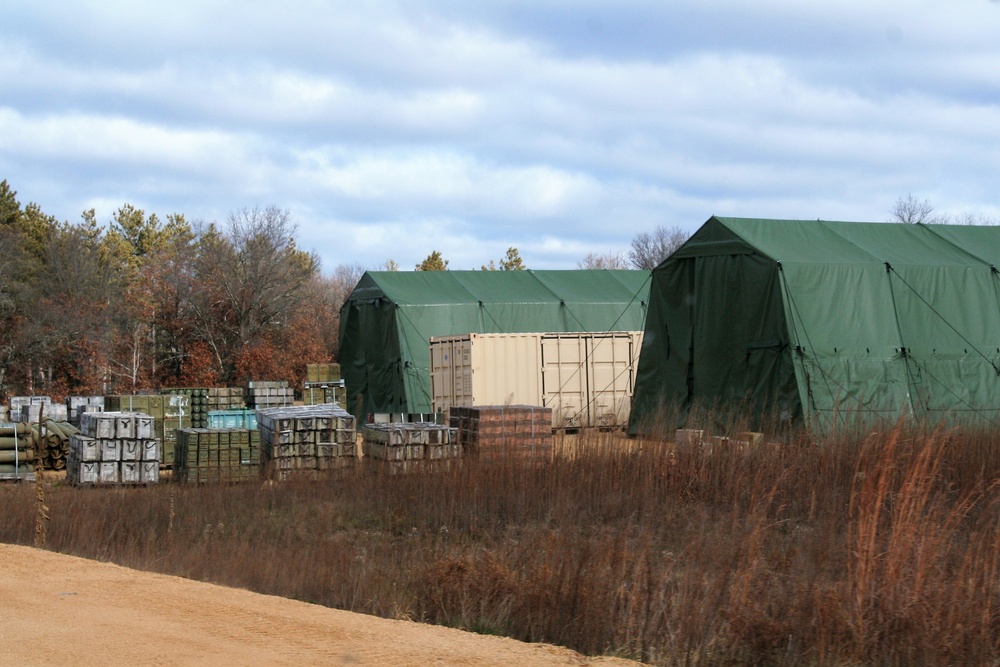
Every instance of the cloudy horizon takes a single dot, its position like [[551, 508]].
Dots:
[[391, 129]]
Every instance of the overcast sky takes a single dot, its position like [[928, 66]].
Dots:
[[564, 127]]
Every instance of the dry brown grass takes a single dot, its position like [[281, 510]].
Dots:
[[863, 548]]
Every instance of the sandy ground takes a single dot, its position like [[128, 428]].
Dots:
[[62, 610]]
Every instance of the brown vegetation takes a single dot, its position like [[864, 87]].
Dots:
[[145, 303], [860, 548]]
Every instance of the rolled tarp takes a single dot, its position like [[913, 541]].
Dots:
[[12, 468], [14, 456]]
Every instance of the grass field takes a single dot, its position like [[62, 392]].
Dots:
[[864, 547]]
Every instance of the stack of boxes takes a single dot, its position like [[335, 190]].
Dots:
[[403, 447], [323, 385], [497, 432], [27, 409], [217, 455], [32, 414], [76, 405], [114, 448], [263, 394], [232, 419], [197, 400], [319, 373], [302, 442], [225, 398], [170, 413]]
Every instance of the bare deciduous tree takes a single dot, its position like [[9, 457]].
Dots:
[[611, 260], [910, 210], [332, 292], [251, 278], [649, 249]]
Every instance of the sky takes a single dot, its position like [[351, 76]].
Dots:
[[390, 129]]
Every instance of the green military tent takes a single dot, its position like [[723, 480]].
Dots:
[[388, 320], [814, 320]]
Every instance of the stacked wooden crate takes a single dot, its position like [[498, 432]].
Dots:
[[17, 455], [333, 392], [27, 409], [75, 405], [322, 372], [302, 442], [171, 412], [197, 400], [114, 448], [17, 404], [225, 398], [217, 455], [262, 394], [404, 447], [323, 385], [494, 432]]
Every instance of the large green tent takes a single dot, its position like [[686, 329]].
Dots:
[[388, 320], [815, 320]]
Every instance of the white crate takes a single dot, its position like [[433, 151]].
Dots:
[[150, 450], [131, 472], [87, 449], [125, 426], [111, 450], [97, 424], [149, 472], [86, 472], [131, 450], [107, 472], [144, 427]]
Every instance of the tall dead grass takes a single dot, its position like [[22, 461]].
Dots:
[[867, 547]]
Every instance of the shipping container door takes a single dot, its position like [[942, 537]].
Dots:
[[443, 389], [565, 376], [611, 373]]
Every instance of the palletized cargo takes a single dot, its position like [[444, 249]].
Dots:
[[232, 419], [217, 455], [498, 432], [262, 394], [410, 446], [318, 393], [322, 373], [586, 379], [107, 450], [293, 439], [78, 404]]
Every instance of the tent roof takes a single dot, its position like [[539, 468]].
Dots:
[[423, 288], [829, 242], [389, 318]]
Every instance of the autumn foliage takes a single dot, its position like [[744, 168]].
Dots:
[[144, 302]]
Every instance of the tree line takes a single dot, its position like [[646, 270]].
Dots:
[[145, 302]]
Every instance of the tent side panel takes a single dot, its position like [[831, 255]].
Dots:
[[661, 384], [951, 330], [370, 357], [742, 359], [719, 340], [846, 342]]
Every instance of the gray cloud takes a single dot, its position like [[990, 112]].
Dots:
[[391, 129]]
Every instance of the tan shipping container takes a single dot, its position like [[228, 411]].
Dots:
[[586, 378]]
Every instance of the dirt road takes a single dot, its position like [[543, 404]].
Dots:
[[62, 610]]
